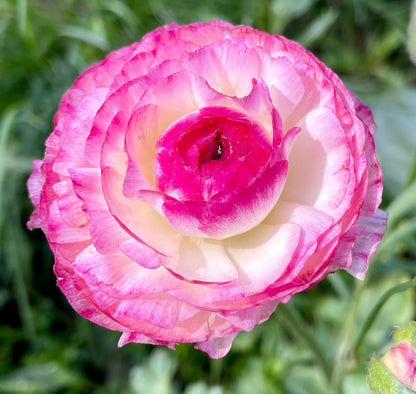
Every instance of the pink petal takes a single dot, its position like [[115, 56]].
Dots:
[[60, 231], [106, 232], [367, 242], [140, 144], [218, 347], [244, 62], [75, 127], [160, 310], [320, 165], [141, 253], [202, 260], [35, 184], [287, 86], [136, 337], [118, 276]]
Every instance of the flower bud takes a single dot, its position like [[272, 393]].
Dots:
[[396, 371]]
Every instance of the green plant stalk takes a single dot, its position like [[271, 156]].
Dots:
[[22, 17], [20, 291], [343, 349], [412, 33], [215, 370], [292, 319], [5, 127], [10, 238], [412, 176], [263, 15], [374, 312]]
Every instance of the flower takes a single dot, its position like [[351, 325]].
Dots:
[[396, 371], [201, 176]]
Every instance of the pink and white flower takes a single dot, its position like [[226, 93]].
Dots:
[[201, 176]]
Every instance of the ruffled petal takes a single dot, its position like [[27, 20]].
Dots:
[[35, 184], [367, 242], [218, 347]]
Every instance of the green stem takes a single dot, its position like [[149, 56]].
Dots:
[[5, 130], [292, 319], [343, 350], [373, 314], [22, 17], [21, 295], [263, 15]]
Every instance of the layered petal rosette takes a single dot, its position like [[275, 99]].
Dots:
[[196, 179]]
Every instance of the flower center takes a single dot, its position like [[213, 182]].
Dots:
[[211, 151]]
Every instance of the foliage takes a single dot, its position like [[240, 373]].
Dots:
[[313, 344]]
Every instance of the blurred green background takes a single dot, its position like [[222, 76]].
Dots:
[[308, 346]]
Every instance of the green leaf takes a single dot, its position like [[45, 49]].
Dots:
[[283, 11], [318, 27], [356, 383], [84, 35], [253, 379], [44, 378], [156, 375], [403, 204], [202, 388], [306, 380], [395, 117], [122, 10]]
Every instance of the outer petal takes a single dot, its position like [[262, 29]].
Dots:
[[34, 184], [367, 242], [105, 231], [218, 347], [116, 274]]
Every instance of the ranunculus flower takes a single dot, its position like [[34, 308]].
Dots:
[[201, 176]]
